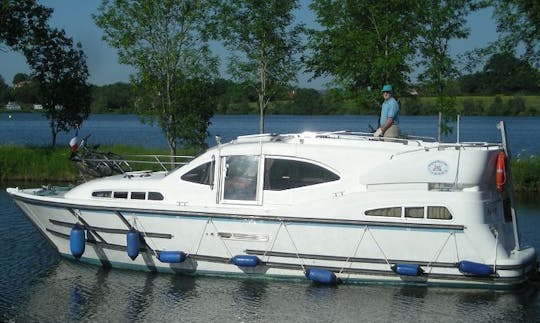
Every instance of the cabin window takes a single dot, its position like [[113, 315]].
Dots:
[[102, 194], [120, 195], [284, 174], [240, 182], [417, 212], [394, 212], [439, 213], [138, 195], [155, 196], [202, 174], [414, 212]]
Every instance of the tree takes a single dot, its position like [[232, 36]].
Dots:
[[363, 44], [263, 42], [60, 69], [504, 73], [4, 91], [518, 22], [115, 97], [167, 44], [26, 92], [20, 78], [441, 21], [22, 20]]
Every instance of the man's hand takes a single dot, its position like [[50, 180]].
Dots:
[[377, 133]]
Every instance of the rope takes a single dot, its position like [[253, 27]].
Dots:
[[457, 169], [496, 244], [455, 243], [273, 242], [440, 251], [378, 246], [295, 248], [221, 239], [200, 239], [135, 225], [355, 250]]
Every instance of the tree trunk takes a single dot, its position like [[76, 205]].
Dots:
[[261, 110], [54, 133], [262, 95]]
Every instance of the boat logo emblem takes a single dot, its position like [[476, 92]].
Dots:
[[438, 167]]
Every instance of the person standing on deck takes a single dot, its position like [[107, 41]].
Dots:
[[389, 120]]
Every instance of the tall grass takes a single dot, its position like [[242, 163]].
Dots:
[[526, 174], [45, 164], [35, 164]]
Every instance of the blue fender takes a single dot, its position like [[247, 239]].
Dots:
[[77, 241], [133, 242]]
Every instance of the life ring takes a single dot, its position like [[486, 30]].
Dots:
[[500, 175]]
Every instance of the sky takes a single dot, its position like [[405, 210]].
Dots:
[[74, 16]]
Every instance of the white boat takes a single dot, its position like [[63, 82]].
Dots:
[[328, 207]]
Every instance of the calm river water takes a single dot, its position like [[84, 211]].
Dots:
[[33, 129], [36, 285]]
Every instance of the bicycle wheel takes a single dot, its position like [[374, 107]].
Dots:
[[98, 164], [118, 164]]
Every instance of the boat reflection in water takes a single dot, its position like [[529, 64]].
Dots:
[[336, 207], [74, 292]]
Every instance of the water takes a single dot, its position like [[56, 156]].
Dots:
[[37, 285], [33, 129]]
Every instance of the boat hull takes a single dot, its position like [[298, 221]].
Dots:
[[285, 247]]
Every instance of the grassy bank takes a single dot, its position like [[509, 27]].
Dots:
[[526, 174], [46, 165]]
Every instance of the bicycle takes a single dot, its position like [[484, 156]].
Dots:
[[92, 163]]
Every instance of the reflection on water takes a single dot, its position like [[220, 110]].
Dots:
[[39, 286], [76, 292]]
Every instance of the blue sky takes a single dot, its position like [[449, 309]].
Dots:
[[74, 16]]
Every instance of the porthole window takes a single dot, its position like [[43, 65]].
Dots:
[[138, 195], [155, 196], [414, 212], [284, 174], [102, 194], [120, 195], [393, 212], [439, 213]]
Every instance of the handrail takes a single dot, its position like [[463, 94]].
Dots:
[[150, 160]]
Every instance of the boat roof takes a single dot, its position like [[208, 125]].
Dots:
[[345, 137]]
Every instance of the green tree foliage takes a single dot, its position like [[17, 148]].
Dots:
[[440, 22], [20, 78], [59, 67], [518, 23], [263, 41], [502, 74], [166, 43], [26, 92], [4, 92], [22, 20], [363, 44], [116, 98]]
